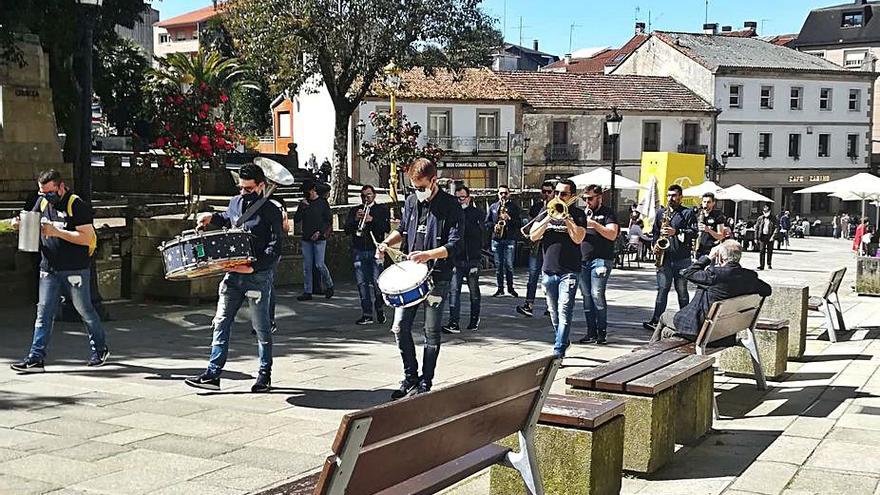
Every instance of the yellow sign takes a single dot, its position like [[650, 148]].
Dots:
[[684, 169]]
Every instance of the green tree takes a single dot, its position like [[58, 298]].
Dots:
[[120, 74], [344, 44]]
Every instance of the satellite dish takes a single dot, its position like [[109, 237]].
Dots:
[[274, 171]]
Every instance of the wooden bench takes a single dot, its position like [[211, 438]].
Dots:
[[663, 392], [829, 303], [426, 443], [579, 445]]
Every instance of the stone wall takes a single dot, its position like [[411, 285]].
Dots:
[[113, 178]]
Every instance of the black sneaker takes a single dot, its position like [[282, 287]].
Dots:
[[601, 341], [512, 292], [525, 310], [30, 364], [474, 324], [380, 316], [99, 358], [263, 383], [649, 325], [406, 388], [587, 340], [759, 268], [498, 293], [304, 297], [423, 388], [451, 327], [204, 381], [328, 292], [365, 320]]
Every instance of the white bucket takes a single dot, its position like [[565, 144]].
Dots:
[[29, 232]]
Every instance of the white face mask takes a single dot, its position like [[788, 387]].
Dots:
[[424, 195], [464, 206]]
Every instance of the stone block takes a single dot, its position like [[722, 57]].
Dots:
[[110, 278], [868, 276], [772, 348], [649, 432], [571, 461], [693, 407], [789, 302]]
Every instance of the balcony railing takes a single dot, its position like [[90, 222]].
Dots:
[[468, 144], [694, 149], [562, 152]]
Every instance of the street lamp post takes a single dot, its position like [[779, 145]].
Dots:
[[612, 121], [392, 80], [83, 175], [717, 168]]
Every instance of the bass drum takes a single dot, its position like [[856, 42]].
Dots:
[[197, 254], [405, 284]]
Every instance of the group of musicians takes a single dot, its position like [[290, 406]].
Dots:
[[571, 247]]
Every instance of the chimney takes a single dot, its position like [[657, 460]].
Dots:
[[711, 28], [535, 45], [640, 28], [567, 58], [726, 29], [750, 26]]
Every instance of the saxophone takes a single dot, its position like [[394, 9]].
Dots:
[[662, 243], [701, 221], [498, 231]]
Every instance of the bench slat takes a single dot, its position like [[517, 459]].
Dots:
[[448, 474], [670, 375], [588, 377], [579, 412], [616, 382], [771, 324]]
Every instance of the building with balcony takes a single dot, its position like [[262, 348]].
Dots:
[[181, 33], [787, 118], [564, 121]]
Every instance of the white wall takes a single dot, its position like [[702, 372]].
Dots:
[[464, 116], [313, 122]]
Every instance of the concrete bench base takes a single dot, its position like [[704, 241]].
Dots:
[[649, 433], [789, 302], [772, 347], [572, 461], [693, 407]]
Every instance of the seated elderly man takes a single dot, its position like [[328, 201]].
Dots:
[[717, 276]]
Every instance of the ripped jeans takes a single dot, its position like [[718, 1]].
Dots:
[[75, 284], [234, 289]]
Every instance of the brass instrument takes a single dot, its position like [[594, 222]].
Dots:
[[557, 209], [662, 243], [362, 224], [501, 225], [701, 222]]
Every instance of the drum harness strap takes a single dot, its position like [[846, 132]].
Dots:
[[252, 209], [93, 245]]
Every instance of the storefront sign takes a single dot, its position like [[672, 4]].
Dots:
[[447, 164], [798, 179]]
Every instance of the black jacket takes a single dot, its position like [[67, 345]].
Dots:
[[444, 228], [759, 227], [685, 224], [265, 225], [315, 217], [511, 230], [379, 227], [473, 235], [714, 283]]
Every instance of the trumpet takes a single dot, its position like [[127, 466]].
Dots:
[[362, 224]]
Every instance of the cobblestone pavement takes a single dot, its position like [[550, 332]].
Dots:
[[133, 427]]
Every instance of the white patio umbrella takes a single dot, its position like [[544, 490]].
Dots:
[[602, 177], [874, 199], [862, 186], [648, 205], [738, 193], [701, 189]]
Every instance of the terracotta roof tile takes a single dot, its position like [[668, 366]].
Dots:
[[471, 84], [193, 17], [596, 64], [601, 92]]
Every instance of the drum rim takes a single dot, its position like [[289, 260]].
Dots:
[[178, 239], [425, 278]]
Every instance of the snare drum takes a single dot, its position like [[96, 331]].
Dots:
[[405, 284], [197, 254]]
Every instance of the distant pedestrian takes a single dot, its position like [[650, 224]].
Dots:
[[835, 227], [844, 225]]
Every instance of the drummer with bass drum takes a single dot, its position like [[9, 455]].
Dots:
[[432, 223], [252, 212]]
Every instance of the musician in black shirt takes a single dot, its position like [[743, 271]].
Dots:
[[560, 240], [432, 223], [680, 232], [711, 226], [365, 223], [597, 259], [314, 214], [467, 264], [503, 221]]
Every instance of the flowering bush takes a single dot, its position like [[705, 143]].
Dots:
[[191, 126], [396, 142]]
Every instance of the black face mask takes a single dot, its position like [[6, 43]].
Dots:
[[251, 197], [52, 197]]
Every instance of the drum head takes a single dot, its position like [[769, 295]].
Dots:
[[401, 277]]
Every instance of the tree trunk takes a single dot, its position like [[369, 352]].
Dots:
[[339, 175]]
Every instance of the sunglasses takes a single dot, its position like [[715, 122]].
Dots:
[[672, 194], [462, 198], [503, 193], [587, 198], [562, 194], [546, 191], [247, 189]]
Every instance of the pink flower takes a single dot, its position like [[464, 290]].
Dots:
[[203, 115], [219, 128], [194, 137], [206, 107], [178, 99], [160, 143], [224, 98]]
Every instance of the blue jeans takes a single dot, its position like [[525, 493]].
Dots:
[[594, 278], [433, 309], [561, 291], [535, 262], [666, 276], [75, 284], [504, 250], [313, 255], [471, 270], [366, 271], [234, 289]]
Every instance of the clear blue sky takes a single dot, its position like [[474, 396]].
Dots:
[[610, 22]]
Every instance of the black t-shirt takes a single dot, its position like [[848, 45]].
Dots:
[[714, 220], [422, 228], [561, 254], [58, 254], [596, 246]]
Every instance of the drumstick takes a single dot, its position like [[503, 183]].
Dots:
[[393, 252]]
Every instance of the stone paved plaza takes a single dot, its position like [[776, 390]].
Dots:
[[133, 427]]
